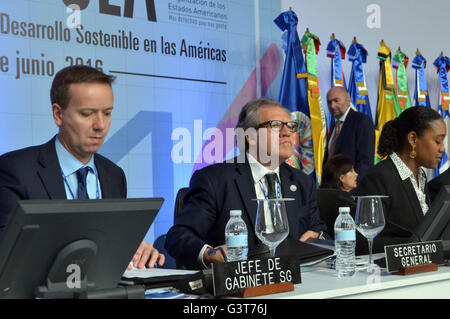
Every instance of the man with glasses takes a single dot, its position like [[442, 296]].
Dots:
[[265, 137]]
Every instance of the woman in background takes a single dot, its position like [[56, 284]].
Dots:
[[339, 173], [413, 140], [338, 183]]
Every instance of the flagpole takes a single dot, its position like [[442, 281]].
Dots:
[[257, 50]]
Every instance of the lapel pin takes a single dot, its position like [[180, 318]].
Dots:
[[293, 188]]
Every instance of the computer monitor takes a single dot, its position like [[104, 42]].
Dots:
[[60, 248], [436, 223]]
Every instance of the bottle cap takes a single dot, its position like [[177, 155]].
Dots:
[[235, 213], [344, 209]]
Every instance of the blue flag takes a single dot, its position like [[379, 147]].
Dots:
[[336, 52], [294, 93], [357, 88], [293, 89], [443, 66], [421, 91]]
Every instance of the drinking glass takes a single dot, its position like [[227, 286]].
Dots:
[[272, 225], [370, 218]]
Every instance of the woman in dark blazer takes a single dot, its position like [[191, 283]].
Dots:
[[339, 181], [412, 141]]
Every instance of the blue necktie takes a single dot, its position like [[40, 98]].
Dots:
[[82, 189]]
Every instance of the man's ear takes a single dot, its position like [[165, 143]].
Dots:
[[348, 100], [57, 112], [251, 138]]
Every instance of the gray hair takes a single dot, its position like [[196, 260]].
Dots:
[[249, 118]]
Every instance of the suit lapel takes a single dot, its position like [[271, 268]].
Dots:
[[413, 200], [51, 175], [49, 171], [411, 194], [346, 126], [331, 131], [246, 187], [290, 189], [104, 178]]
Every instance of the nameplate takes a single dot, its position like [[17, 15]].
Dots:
[[230, 277], [413, 254]]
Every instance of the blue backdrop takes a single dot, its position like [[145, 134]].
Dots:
[[178, 63]]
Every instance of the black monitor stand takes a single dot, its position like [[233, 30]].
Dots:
[[67, 277]]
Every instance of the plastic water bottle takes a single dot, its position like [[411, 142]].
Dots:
[[345, 242], [236, 237]]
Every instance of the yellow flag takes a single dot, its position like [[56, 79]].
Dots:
[[386, 95], [310, 44]]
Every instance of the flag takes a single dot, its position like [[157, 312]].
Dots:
[[357, 87], [336, 52], [443, 65], [293, 93], [400, 63], [386, 95], [421, 91], [310, 44]]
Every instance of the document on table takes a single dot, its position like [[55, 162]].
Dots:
[[328, 244], [156, 272]]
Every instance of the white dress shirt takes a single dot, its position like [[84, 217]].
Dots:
[[69, 165], [258, 172]]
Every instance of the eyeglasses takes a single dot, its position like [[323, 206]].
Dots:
[[278, 125]]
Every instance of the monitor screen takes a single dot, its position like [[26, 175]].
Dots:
[[436, 223], [51, 244]]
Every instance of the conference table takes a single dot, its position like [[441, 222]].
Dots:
[[321, 282]]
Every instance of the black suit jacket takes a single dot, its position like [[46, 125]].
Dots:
[[34, 173], [402, 209], [437, 183], [219, 188], [357, 141]]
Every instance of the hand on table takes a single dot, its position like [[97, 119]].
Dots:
[[308, 235], [218, 257], [146, 255]]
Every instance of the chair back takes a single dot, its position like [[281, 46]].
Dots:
[[179, 201], [329, 200]]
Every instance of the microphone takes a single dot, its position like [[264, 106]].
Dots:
[[407, 229]]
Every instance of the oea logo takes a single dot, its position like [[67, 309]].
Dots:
[[106, 8]]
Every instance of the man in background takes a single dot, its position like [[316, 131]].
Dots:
[[351, 134]]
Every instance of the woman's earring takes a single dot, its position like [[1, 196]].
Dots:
[[412, 154]]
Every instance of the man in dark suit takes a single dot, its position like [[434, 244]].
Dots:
[[352, 133], [219, 188], [67, 167]]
